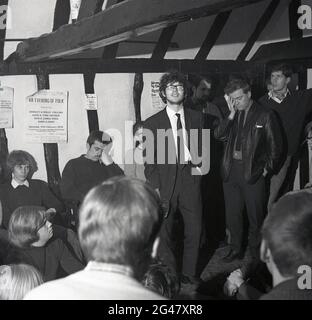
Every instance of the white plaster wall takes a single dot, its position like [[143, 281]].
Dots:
[[147, 108], [78, 129], [236, 32], [115, 107], [23, 87], [276, 30], [189, 36], [29, 18]]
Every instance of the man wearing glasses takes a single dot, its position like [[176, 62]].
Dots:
[[173, 171]]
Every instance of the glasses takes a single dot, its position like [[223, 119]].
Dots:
[[172, 87]]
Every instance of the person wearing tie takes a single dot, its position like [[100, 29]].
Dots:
[[173, 172], [253, 148]]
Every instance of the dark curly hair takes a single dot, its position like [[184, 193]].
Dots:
[[170, 77]]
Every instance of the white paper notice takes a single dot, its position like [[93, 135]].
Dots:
[[157, 103], [46, 117], [6, 107], [91, 101]]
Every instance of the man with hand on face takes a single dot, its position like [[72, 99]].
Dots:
[[83, 173], [252, 149], [174, 173]]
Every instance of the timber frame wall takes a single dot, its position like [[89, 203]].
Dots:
[[90, 67]]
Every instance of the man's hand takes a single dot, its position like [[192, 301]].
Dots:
[[236, 278], [265, 172], [106, 155], [231, 105], [233, 282]]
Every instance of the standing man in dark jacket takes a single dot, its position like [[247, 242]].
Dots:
[[292, 109], [253, 148], [172, 170]]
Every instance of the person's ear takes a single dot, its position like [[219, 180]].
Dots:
[[87, 146], [265, 252], [155, 248], [249, 94]]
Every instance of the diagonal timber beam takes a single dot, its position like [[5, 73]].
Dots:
[[120, 22]]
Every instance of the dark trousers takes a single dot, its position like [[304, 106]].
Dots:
[[186, 198], [237, 194]]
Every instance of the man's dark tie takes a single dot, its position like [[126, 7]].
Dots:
[[241, 118], [180, 140]]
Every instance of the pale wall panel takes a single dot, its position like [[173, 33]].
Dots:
[[115, 107], [29, 18], [23, 87], [78, 129]]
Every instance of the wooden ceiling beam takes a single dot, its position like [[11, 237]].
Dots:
[[118, 23]]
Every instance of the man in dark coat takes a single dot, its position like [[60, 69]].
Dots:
[[172, 170], [253, 149]]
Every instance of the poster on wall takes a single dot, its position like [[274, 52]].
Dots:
[[157, 103], [6, 107], [46, 117], [91, 102]]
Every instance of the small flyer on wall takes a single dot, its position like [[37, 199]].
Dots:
[[91, 102], [6, 107], [46, 115], [157, 103]]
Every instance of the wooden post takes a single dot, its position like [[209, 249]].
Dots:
[[93, 120], [61, 13], [137, 92], [3, 156], [50, 149]]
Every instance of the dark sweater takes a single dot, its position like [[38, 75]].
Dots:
[[37, 194], [82, 174], [46, 259], [292, 112]]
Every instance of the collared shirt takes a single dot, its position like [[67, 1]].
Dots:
[[173, 121], [15, 184], [277, 99], [109, 267]]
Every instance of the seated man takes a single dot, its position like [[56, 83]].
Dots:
[[24, 191], [119, 225], [286, 246], [21, 190], [83, 173]]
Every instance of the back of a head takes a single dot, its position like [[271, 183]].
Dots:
[[17, 280], [119, 222], [24, 224], [287, 232]]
